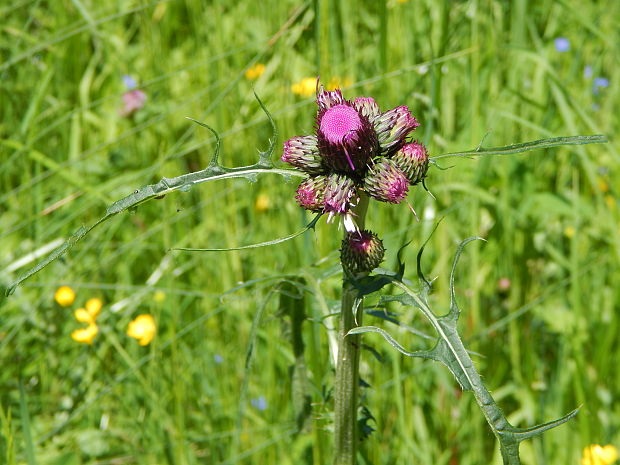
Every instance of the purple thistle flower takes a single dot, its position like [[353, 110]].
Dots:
[[412, 159], [311, 193], [392, 127], [361, 252], [386, 182], [345, 135], [303, 152], [339, 194], [367, 106], [562, 44]]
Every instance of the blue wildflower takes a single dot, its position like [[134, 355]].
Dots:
[[601, 82], [587, 72], [562, 44], [130, 83], [259, 403], [218, 358]]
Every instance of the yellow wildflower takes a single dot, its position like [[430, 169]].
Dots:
[[143, 329], [602, 185], [610, 201], [93, 306], [64, 296], [254, 72], [83, 316], [569, 232], [338, 83], [85, 335], [262, 203], [597, 455], [305, 88], [159, 296]]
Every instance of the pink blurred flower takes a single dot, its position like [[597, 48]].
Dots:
[[133, 100]]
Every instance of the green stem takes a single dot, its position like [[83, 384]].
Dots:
[[346, 389]]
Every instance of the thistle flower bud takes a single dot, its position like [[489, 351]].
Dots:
[[339, 193], [303, 152], [326, 99], [412, 159], [392, 127], [361, 252], [386, 182], [311, 193], [367, 106]]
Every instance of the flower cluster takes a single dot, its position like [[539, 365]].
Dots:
[[356, 149], [87, 315], [143, 328]]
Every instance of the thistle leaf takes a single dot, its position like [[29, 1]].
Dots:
[[213, 172], [450, 351], [527, 146]]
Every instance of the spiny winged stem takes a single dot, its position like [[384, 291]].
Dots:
[[346, 389]]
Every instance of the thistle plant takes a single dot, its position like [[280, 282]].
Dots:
[[358, 154]]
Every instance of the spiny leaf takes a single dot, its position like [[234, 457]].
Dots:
[[522, 434], [526, 146], [390, 340], [454, 308], [213, 172], [310, 225], [450, 351]]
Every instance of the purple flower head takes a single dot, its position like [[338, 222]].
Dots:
[[386, 182], [361, 252], [412, 159], [345, 135], [311, 193], [562, 44], [340, 192], [393, 127], [303, 153]]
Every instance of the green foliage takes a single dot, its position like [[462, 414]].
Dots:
[[450, 351], [466, 69]]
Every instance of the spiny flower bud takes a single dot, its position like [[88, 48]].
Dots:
[[311, 193], [303, 152], [361, 252], [392, 127], [412, 159], [367, 106], [326, 99], [386, 182], [339, 192]]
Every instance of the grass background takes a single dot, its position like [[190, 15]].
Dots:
[[467, 69]]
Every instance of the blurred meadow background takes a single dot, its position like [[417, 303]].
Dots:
[[94, 99]]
